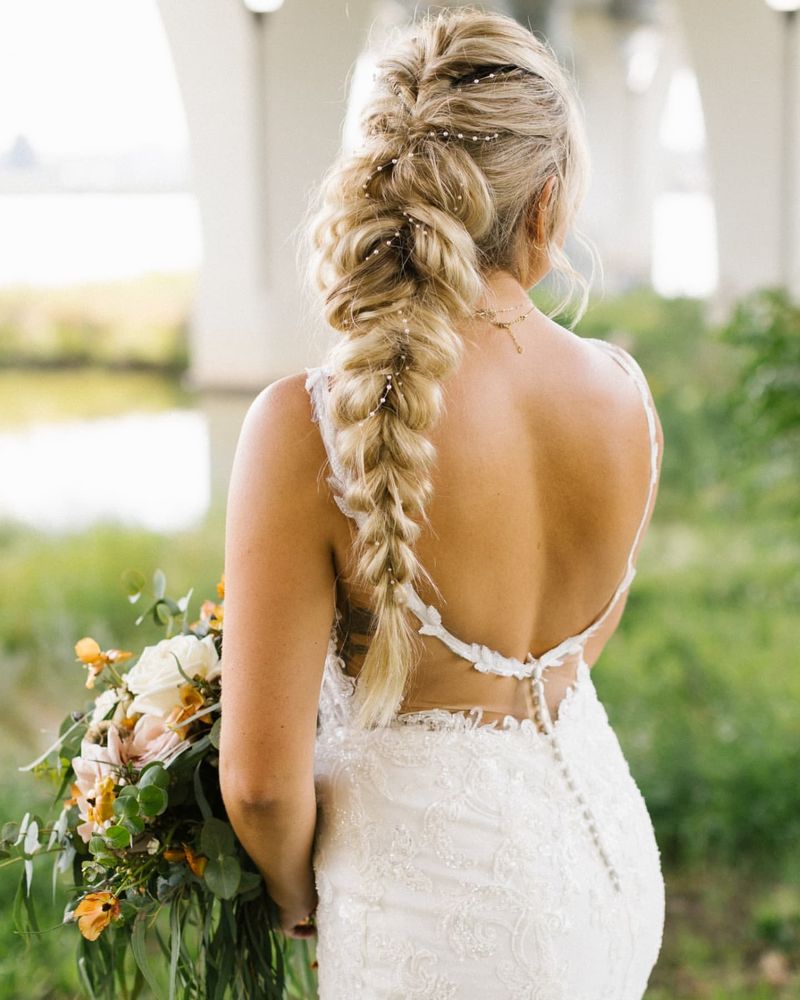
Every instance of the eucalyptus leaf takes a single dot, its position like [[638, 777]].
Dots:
[[10, 831], [214, 733], [134, 823], [133, 583], [223, 875], [183, 602], [152, 800], [217, 838], [126, 805], [97, 845], [118, 836], [250, 885], [161, 615], [154, 774]]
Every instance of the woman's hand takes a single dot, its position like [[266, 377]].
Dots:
[[298, 921]]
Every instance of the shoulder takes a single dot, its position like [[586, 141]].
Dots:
[[282, 414], [609, 428], [279, 451], [634, 439], [617, 383]]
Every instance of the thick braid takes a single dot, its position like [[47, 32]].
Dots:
[[425, 280], [406, 231]]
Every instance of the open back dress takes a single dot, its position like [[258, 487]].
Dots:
[[462, 860]]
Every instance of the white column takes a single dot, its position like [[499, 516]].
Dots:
[[265, 96], [622, 124], [737, 50]]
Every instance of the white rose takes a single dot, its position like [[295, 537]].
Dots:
[[104, 703], [155, 678]]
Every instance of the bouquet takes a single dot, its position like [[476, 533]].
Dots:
[[155, 866]]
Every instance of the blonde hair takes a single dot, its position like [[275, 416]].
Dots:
[[452, 210]]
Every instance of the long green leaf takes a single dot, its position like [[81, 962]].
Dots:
[[223, 875], [200, 795], [83, 974], [139, 949], [175, 932]]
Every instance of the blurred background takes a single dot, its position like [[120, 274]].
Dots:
[[155, 161]]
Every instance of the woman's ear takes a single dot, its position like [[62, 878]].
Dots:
[[536, 219], [540, 212]]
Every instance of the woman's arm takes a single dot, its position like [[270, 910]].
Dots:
[[279, 606]]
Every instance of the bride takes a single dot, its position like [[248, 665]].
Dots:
[[430, 539]]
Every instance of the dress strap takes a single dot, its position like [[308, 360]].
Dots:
[[629, 363]]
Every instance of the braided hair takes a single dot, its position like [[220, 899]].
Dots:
[[470, 116]]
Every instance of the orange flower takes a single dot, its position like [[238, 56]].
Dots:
[[95, 912], [221, 588], [174, 854], [88, 652], [73, 799], [213, 614], [191, 702], [197, 862]]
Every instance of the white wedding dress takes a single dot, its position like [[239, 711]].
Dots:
[[460, 860]]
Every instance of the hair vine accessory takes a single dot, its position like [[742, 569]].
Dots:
[[490, 73], [412, 221], [394, 375], [442, 134]]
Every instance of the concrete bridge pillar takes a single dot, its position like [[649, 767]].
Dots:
[[265, 97]]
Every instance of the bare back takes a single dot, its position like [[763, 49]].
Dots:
[[543, 478]]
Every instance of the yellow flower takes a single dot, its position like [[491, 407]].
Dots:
[[95, 912], [88, 652], [221, 588], [104, 802], [210, 614], [191, 701]]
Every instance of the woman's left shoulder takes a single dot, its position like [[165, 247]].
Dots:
[[283, 407], [278, 438]]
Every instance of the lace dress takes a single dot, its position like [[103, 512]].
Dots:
[[460, 860]]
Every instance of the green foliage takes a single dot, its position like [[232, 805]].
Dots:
[[138, 323], [766, 327], [763, 404]]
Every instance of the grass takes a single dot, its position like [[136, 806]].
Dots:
[[138, 322]]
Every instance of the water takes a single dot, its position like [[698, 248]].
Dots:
[[147, 470]]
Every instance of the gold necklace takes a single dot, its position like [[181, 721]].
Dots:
[[489, 314]]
